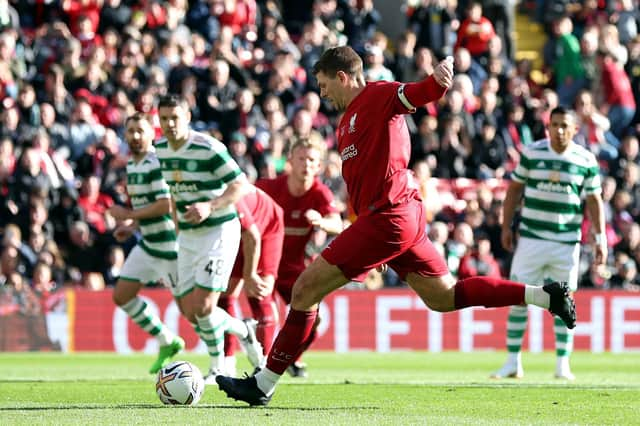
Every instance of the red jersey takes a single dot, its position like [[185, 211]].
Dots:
[[297, 228], [260, 209], [374, 143]]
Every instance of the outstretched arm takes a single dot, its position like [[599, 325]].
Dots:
[[413, 95]]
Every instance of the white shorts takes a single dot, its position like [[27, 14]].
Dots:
[[206, 257], [141, 267], [537, 261]]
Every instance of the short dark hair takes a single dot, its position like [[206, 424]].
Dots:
[[138, 116], [171, 100], [562, 110], [341, 58]]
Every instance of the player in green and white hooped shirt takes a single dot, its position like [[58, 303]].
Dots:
[[154, 258], [554, 177], [205, 184]]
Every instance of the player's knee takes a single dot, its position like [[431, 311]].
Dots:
[[201, 308], [120, 298]]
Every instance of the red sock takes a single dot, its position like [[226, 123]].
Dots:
[[291, 340], [489, 292], [264, 311], [310, 339], [230, 342]]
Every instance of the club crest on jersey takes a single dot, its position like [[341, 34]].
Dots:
[[352, 123], [192, 166]]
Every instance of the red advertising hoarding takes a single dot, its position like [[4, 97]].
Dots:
[[381, 321]]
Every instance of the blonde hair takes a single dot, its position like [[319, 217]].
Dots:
[[309, 143]]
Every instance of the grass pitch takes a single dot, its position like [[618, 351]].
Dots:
[[406, 388]]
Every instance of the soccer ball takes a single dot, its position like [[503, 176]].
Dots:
[[180, 383]]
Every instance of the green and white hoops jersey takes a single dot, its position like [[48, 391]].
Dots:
[[199, 170], [145, 185], [555, 186]]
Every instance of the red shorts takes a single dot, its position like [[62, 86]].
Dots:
[[395, 236], [270, 254]]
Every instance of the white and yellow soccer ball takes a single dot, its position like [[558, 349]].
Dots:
[[180, 383]]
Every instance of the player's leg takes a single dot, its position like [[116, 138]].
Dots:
[[441, 292], [138, 269], [298, 368], [319, 279], [564, 267], [263, 310], [528, 264], [212, 258], [228, 302], [349, 256]]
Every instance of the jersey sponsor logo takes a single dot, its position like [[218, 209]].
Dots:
[[553, 187], [184, 187], [139, 200], [349, 152], [352, 123]]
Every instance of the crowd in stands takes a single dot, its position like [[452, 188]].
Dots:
[[71, 71]]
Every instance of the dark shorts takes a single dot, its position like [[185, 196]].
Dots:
[[395, 236], [270, 254]]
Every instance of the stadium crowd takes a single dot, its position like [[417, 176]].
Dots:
[[71, 71]]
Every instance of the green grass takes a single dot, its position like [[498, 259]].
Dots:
[[407, 388]]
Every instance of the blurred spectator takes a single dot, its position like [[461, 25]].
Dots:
[[434, 23], [615, 91], [475, 31], [593, 129], [488, 154], [501, 14], [456, 247], [95, 204], [479, 260], [568, 72], [86, 253], [629, 152], [238, 150]]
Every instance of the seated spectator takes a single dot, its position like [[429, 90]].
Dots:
[[64, 214], [629, 152], [239, 151], [479, 260], [27, 177], [593, 128], [84, 130], [618, 102], [458, 245], [86, 252], [95, 204]]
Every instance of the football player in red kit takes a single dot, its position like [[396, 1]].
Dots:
[[374, 143], [255, 268], [307, 204]]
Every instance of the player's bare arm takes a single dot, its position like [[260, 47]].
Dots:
[[596, 214], [157, 208], [330, 223], [198, 212], [254, 285], [511, 202]]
